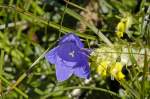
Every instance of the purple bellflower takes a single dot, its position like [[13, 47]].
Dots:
[[69, 58]]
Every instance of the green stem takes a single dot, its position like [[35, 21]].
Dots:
[[12, 86], [15, 88], [130, 89], [1, 70], [84, 87], [51, 24], [145, 70], [75, 5], [91, 26], [62, 19]]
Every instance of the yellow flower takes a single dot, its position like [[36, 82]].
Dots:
[[120, 76], [123, 26], [119, 34], [102, 68], [116, 71]]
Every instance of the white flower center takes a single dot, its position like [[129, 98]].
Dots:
[[72, 53]]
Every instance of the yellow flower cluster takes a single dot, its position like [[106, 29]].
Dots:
[[115, 70], [105, 63]]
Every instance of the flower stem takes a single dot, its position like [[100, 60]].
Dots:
[[12, 86], [85, 87]]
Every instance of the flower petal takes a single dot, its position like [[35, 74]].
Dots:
[[71, 38], [51, 55], [85, 51], [69, 51], [62, 72], [82, 70], [69, 64]]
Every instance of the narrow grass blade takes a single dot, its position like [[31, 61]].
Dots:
[[75, 5], [130, 89], [91, 26], [145, 70], [16, 89], [1, 70], [20, 79], [51, 24], [84, 87]]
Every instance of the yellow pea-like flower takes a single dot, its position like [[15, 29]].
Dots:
[[102, 68], [120, 76], [119, 34], [121, 27], [116, 71]]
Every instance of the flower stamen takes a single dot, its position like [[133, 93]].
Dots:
[[72, 53]]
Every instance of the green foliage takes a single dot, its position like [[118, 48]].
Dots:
[[29, 28]]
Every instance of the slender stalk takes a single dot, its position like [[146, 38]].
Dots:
[[145, 70], [62, 19], [91, 26], [51, 24], [134, 53], [20, 79], [130, 89], [15, 88], [75, 5], [1, 70], [85, 87]]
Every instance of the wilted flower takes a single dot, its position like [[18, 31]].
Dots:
[[69, 58], [116, 71]]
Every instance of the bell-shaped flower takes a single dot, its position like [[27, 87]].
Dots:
[[69, 58]]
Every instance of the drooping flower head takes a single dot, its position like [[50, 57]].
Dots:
[[69, 58]]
